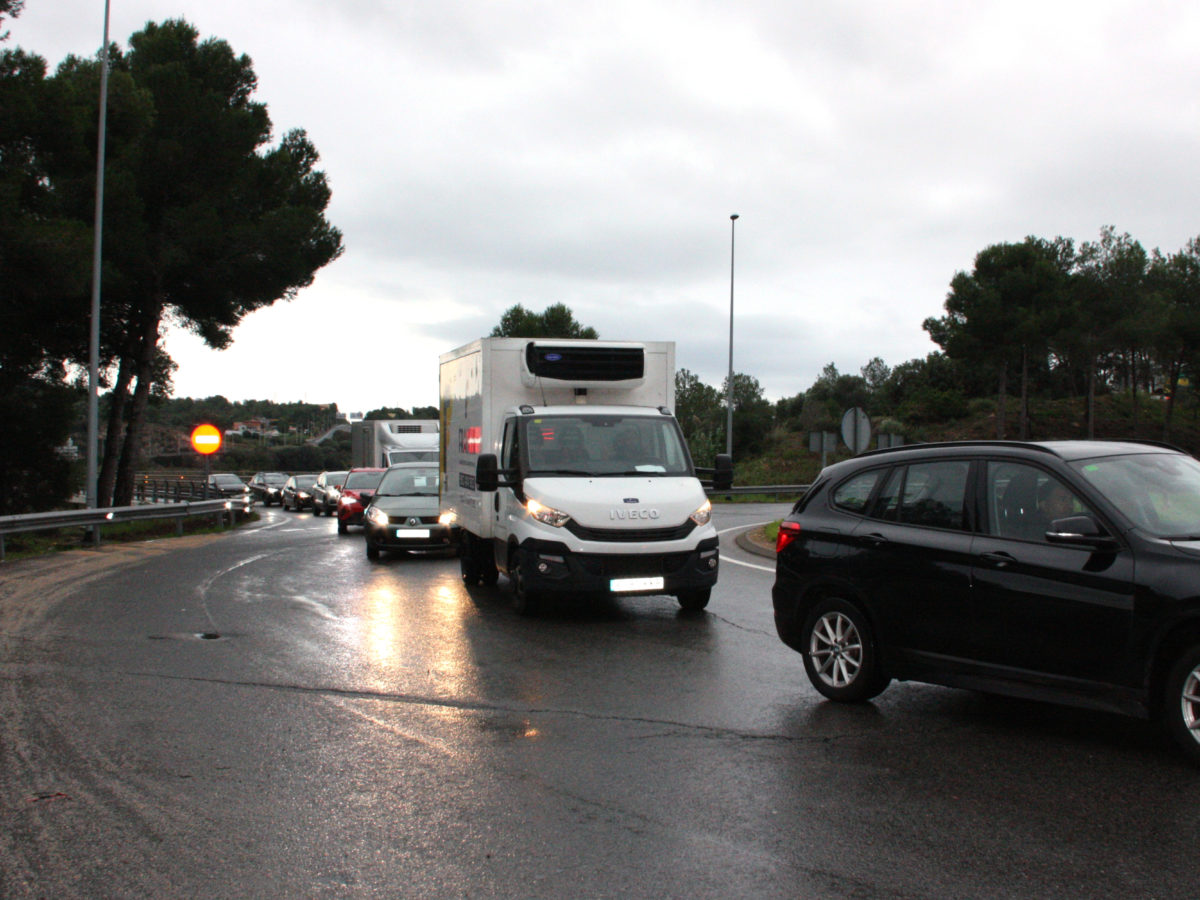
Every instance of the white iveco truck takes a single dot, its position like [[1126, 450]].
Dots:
[[564, 468], [385, 442]]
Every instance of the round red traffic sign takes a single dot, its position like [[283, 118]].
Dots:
[[206, 439]]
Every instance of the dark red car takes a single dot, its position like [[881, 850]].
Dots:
[[358, 488]]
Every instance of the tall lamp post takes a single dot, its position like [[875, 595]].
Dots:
[[729, 381], [94, 351]]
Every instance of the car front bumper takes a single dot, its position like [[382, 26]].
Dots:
[[402, 536]]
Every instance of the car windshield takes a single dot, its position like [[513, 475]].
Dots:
[[1160, 492], [363, 480], [335, 477], [304, 481], [605, 445], [409, 481], [226, 480], [274, 478]]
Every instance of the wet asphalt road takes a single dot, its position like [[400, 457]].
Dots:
[[268, 714]]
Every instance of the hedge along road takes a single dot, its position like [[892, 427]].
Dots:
[[266, 713]]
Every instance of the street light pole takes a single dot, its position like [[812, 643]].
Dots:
[[94, 350], [729, 381]]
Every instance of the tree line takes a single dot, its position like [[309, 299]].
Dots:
[[204, 221], [1036, 319]]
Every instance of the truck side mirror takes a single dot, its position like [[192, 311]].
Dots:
[[723, 473], [487, 473]]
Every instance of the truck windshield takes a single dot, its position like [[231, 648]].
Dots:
[[402, 456], [604, 445]]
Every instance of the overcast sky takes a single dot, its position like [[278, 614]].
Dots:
[[484, 154]]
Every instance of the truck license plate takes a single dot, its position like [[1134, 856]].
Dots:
[[413, 533], [636, 584]]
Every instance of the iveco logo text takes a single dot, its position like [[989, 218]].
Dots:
[[633, 514]]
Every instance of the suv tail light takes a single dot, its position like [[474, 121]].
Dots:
[[788, 532]]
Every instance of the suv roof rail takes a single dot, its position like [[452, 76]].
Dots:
[[976, 443], [1028, 445]]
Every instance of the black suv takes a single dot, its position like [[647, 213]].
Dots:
[[1066, 571]]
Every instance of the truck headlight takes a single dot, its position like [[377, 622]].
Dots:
[[703, 514], [546, 515]]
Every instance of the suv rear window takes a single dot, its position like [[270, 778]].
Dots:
[[852, 495]]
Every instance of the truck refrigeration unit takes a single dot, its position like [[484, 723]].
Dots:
[[564, 468], [385, 442]]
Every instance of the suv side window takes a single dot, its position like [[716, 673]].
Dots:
[[853, 493], [1023, 500], [927, 493]]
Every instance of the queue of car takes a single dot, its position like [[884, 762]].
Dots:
[[1061, 571]]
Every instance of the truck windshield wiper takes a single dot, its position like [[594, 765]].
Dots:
[[536, 472]]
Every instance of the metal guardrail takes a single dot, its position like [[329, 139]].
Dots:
[[152, 490], [97, 518]]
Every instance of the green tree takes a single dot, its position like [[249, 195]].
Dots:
[[44, 269], [207, 222], [1107, 294], [1174, 285], [700, 413], [752, 414], [556, 321], [997, 315], [12, 9]]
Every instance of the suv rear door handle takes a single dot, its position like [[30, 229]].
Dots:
[[874, 539], [998, 559]]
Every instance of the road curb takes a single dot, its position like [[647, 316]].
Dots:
[[748, 544]]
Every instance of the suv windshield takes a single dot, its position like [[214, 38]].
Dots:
[[1160, 492], [409, 481], [604, 445]]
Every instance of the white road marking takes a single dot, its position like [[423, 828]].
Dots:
[[738, 562]]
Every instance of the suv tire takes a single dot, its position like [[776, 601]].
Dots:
[[839, 651], [1181, 703]]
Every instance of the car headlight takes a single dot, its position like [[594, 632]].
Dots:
[[333, 496], [303, 495], [546, 515], [447, 518], [703, 514], [376, 516]]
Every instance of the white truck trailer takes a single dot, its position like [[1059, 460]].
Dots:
[[564, 468], [385, 442]]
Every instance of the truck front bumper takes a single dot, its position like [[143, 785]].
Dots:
[[551, 567]]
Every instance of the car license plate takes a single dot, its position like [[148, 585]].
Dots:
[[422, 533], [636, 584]]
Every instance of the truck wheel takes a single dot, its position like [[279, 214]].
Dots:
[[468, 563], [1181, 703], [525, 601], [694, 601]]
